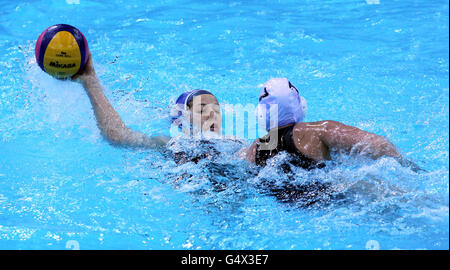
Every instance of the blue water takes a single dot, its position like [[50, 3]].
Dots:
[[382, 66]]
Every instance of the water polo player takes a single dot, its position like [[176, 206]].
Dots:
[[199, 108], [311, 142]]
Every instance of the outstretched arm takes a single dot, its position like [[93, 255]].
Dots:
[[108, 120], [316, 139], [352, 139], [342, 137]]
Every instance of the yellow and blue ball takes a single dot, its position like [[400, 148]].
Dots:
[[61, 51]]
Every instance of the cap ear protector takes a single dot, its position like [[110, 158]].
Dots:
[[280, 99], [178, 115], [302, 101]]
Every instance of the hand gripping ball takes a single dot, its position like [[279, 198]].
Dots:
[[61, 51]]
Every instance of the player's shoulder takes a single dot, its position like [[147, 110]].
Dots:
[[317, 125], [317, 128]]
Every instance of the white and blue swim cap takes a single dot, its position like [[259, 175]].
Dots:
[[291, 106], [181, 105]]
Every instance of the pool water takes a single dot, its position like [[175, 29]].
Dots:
[[382, 66]]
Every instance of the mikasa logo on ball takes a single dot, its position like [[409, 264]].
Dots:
[[58, 65]]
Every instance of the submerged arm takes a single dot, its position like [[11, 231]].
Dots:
[[108, 120]]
